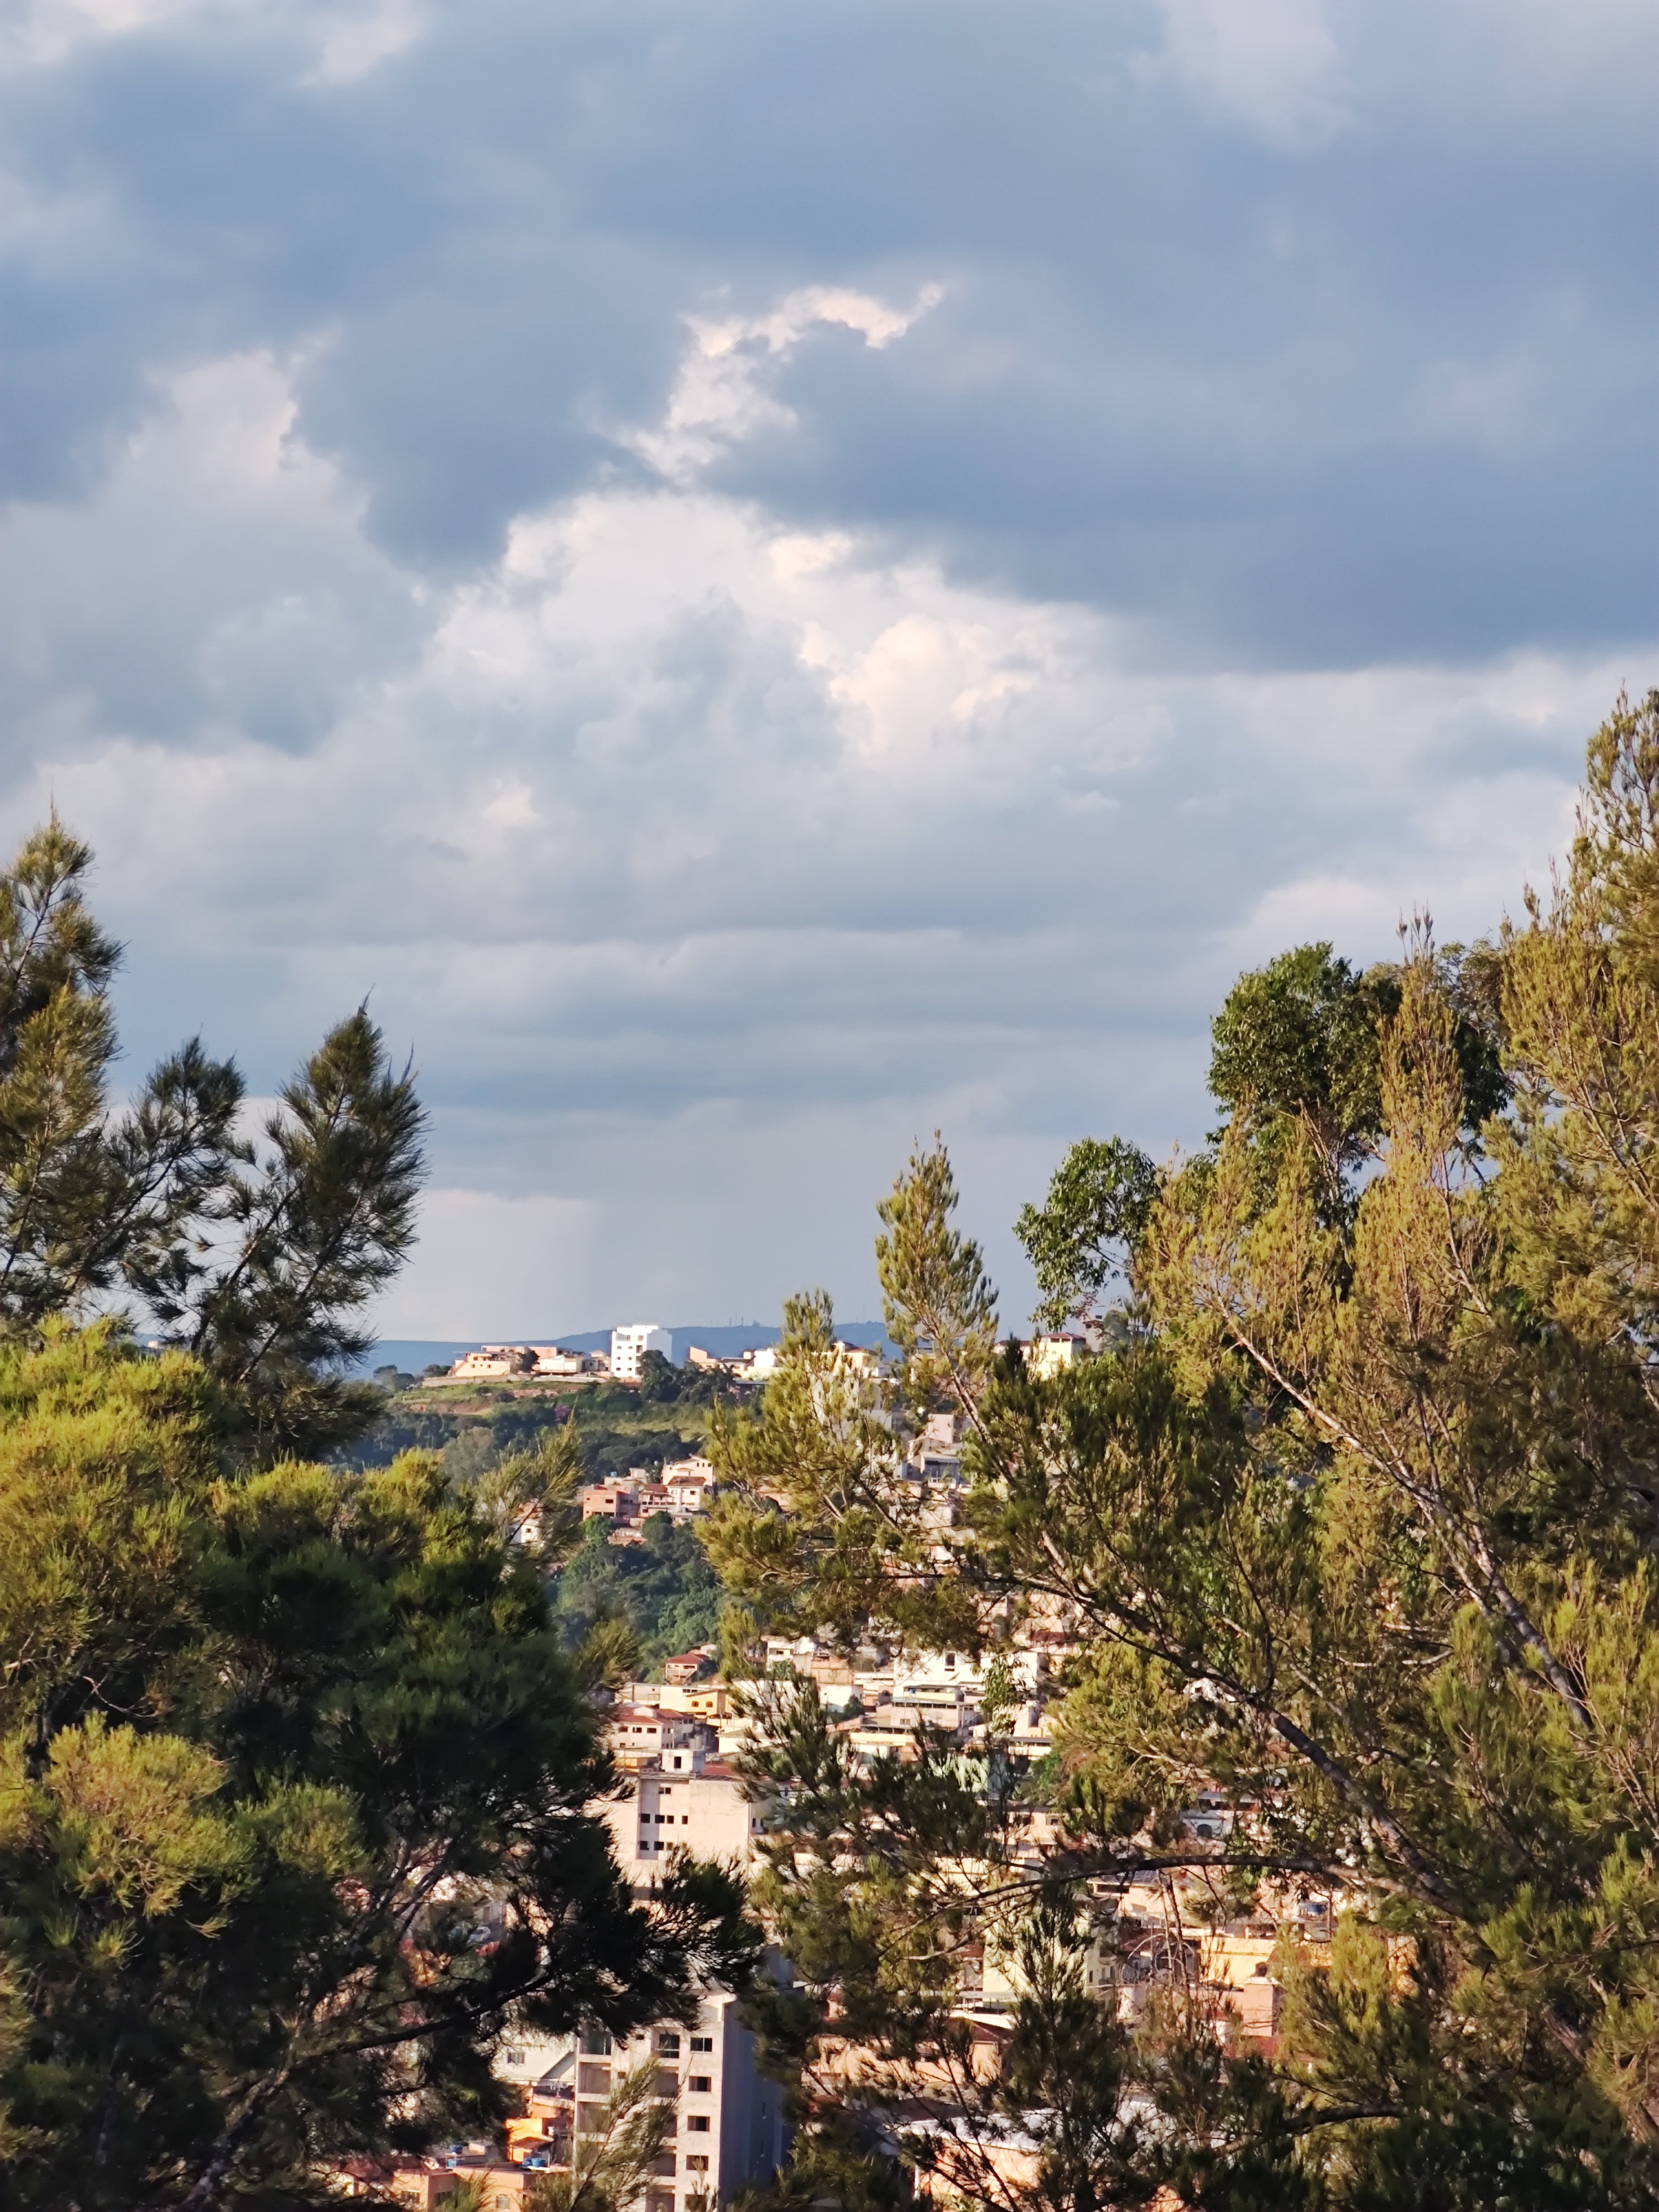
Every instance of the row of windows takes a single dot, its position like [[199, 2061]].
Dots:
[[594, 2044], [595, 2081], [590, 2121]]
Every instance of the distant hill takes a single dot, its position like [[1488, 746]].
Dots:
[[724, 1339]]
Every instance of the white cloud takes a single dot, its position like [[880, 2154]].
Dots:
[[720, 397], [706, 860], [355, 42], [347, 39], [1272, 65]]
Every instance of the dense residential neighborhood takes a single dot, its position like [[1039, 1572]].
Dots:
[[678, 1743]]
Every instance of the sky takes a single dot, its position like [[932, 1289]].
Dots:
[[765, 580]]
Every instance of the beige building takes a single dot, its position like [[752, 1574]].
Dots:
[[702, 1810], [656, 1737], [1049, 1355], [554, 1359], [492, 1363], [608, 1501]]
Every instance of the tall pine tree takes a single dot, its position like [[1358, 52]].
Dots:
[[257, 1254], [298, 1785]]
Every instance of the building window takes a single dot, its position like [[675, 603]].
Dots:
[[668, 2046], [595, 2046], [698, 2123], [701, 2084], [512, 2058], [703, 2043], [696, 2165]]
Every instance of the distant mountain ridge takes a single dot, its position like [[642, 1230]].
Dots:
[[724, 1339]]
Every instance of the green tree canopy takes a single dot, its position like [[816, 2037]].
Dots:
[[1358, 1528], [295, 1805], [297, 1781]]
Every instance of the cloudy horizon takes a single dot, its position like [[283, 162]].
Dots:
[[764, 582]]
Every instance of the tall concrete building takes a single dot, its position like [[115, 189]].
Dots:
[[629, 1345], [729, 2132]]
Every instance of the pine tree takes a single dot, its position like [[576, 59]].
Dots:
[[1354, 1521], [297, 1792], [257, 1257]]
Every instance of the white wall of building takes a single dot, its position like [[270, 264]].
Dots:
[[629, 1345], [729, 2116]]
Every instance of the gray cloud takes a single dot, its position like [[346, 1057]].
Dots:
[[769, 582]]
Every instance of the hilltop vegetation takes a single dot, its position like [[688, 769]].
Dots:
[[663, 1590], [659, 1597]]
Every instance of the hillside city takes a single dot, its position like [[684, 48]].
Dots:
[[678, 1741], [1201, 1755]]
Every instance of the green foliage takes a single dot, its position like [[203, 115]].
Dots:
[[529, 1496], [1302, 1040], [88, 1202], [317, 1223], [664, 1589], [296, 1782], [1358, 1525], [1299, 1038], [662, 1383], [815, 1528], [258, 1257], [940, 1309], [1081, 1238]]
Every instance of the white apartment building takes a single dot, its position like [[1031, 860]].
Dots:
[[1046, 1357], [726, 2131], [629, 1345], [690, 1484], [729, 2130]]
